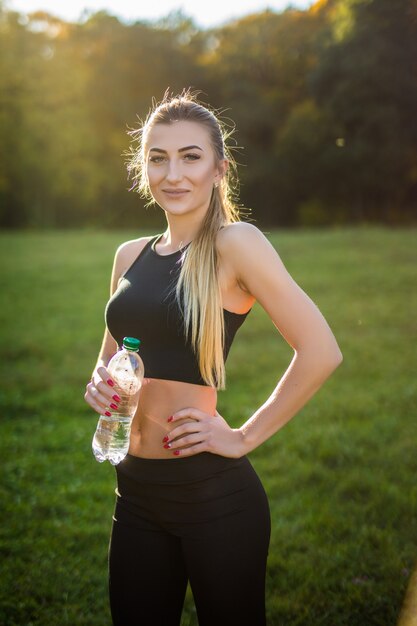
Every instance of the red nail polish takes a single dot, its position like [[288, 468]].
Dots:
[[165, 439], [176, 452], [110, 382], [167, 446], [170, 418], [113, 406], [116, 397], [108, 413]]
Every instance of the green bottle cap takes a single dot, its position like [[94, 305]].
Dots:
[[131, 343]]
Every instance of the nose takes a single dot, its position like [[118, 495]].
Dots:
[[174, 173]]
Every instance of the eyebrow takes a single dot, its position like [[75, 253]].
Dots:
[[180, 149]]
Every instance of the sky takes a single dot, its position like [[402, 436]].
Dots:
[[205, 14]]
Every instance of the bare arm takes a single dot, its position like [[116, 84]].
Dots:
[[261, 273], [109, 345], [99, 394], [297, 318], [124, 257]]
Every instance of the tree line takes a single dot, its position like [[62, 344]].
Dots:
[[324, 101]]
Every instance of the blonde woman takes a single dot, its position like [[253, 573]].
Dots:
[[189, 505]]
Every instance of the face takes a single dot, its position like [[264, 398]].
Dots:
[[181, 167]]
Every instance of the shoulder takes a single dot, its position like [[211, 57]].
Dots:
[[125, 254], [240, 238], [251, 257], [127, 247], [129, 250]]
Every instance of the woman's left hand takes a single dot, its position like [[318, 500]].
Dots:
[[205, 433]]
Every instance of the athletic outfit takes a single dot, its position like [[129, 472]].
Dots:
[[144, 306], [203, 519]]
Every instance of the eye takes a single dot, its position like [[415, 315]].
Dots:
[[156, 159], [190, 156]]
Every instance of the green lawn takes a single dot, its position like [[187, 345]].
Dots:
[[341, 476]]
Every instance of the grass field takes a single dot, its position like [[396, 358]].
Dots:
[[341, 476]]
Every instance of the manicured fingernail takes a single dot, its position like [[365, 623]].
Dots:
[[116, 397], [165, 439], [170, 418], [113, 406], [167, 446], [108, 413], [110, 382], [176, 452]]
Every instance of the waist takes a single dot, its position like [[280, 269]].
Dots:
[[159, 399], [177, 471], [162, 397]]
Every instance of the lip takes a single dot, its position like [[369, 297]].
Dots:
[[175, 192]]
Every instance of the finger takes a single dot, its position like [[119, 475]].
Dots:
[[192, 413], [184, 429], [93, 393], [191, 451], [100, 408], [188, 440], [105, 376], [90, 393], [105, 403], [106, 392], [100, 401]]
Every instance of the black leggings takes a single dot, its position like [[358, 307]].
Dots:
[[203, 518]]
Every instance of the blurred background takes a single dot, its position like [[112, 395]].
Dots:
[[324, 99]]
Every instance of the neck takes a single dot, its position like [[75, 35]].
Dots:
[[178, 233]]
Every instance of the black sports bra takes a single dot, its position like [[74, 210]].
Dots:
[[144, 306]]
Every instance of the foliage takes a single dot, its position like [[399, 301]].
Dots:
[[324, 101], [366, 82]]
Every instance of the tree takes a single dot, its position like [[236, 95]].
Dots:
[[259, 66], [365, 81]]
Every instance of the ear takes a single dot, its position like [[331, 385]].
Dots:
[[221, 170]]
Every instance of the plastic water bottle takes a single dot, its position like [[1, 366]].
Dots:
[[111, 439]]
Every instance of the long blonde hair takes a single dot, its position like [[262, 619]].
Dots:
[[197, 291]]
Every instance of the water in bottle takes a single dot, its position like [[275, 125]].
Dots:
[[111, 439]]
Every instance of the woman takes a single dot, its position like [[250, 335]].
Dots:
[[189, 505]]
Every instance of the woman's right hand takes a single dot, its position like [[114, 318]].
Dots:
[[100, 394]]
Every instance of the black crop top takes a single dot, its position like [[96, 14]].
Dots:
[[144, 306]]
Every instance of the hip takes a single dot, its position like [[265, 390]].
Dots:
[[199, 489]]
